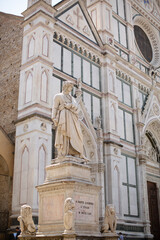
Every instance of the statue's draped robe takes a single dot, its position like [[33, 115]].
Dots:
[[69, 139]]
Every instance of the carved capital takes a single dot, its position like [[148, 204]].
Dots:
[[140, 125], [143, 158]]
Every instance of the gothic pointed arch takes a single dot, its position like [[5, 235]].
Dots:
[[113, 117], [45, 45], [28, 87], [24, 175], [44, 86], [31, 47], [116, 188], [41, 164], [151, 140], [111, 82], [155, 151]]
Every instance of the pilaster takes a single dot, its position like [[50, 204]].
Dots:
[[113, 157], [101, 14], [144, 196], [34, 127]]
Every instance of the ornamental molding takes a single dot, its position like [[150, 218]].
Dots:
[[156, 109], [143, 88], [149, 150], [153, 38], [148, 10], [59, 37], [123, 76], [151, 110]]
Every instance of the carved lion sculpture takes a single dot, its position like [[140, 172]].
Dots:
[[26, 222], [110, 220], [69, 207]]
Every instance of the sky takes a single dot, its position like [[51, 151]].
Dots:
[[16, 7]]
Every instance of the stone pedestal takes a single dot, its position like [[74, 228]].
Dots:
[[69, 236], [110, 236], [68, 178]]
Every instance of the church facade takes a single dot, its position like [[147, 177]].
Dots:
[[111, 49]]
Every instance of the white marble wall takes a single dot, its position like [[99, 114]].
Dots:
[[34, 129], [33, 153]]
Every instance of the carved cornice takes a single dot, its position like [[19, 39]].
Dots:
[[31, 116], [123, 76], [41, 59], [62, 39], [143, 88], [150, 16], [39, 6], [112, 142]]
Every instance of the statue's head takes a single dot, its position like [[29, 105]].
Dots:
[[67, 86], [112, 209], [26, 211]]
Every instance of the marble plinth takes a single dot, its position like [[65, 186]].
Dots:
[[66, 170], [110, 236], [67, 237], [68, 178]]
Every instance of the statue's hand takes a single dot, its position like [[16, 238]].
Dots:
[[55, 122], [74, 108], [68, 105]]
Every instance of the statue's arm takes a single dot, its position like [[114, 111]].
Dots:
[[55, 109]]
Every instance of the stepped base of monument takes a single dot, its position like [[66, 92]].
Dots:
[[68, 179], [107, 236]]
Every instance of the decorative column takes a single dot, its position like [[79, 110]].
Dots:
[[101, 169], [130, 28], [145, 210], [101, 14]]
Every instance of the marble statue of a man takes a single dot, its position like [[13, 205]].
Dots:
[[69, 139]]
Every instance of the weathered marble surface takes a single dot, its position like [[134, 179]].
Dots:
[[69, 215], [110, 220], [26, 222], [69, 138]]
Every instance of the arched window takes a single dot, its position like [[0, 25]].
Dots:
[[45, 46], [113, 117], [44, 80], [111, 82], [41, 165], [116, 189], [31, 47], [24, 175], [28, 95], [154, 153], [143, 43]]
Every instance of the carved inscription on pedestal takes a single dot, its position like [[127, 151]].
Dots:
[[85, 208]]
